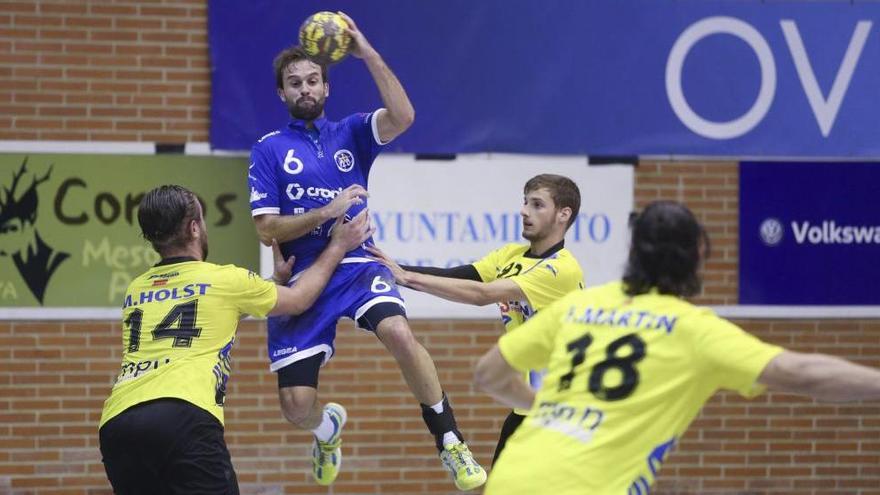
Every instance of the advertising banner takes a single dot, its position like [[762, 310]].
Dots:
[[596, 77], [809, 233], [69, 235], [449, 213]]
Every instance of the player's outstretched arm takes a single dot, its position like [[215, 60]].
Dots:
[[496, 377], [467, 272], [289, 227], [399, 114], [345, 237], [821, 376], [456, 290]]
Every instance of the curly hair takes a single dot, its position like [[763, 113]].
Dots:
[[665, 251]]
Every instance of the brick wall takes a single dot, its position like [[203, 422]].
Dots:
[[125, 70], [104, 70], [54, 377]]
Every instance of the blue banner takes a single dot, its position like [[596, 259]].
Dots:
[[809, 233], [647, 77]]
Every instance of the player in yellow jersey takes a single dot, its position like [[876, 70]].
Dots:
[[161, 430], [521, 278], [630, 364]]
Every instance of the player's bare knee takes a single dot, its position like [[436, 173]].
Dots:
[[397, 336], [296, 404]]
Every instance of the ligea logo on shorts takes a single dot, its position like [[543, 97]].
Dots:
[[284, 352]]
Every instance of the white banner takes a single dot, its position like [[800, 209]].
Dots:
[[449, 213]]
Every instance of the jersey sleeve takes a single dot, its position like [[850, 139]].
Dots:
[[262, 184], [529, 346], [733, 357], [487, 266], [253, 295], [464, 272], [363, 127], [548, 281]]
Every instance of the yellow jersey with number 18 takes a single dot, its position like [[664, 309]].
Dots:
[[626, 376], [543, 279], [179, 322]]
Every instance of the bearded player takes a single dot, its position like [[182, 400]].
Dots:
[[302, 176]]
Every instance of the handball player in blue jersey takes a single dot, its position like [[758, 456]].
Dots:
[[301, 177]]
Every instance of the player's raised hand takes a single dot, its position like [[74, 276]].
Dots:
[[350, 235], [360, 47], [354, 194], [283, 268], [400, 275]]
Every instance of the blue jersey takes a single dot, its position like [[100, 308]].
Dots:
[[295, 169]]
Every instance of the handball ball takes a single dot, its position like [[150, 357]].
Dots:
[[324, 38]]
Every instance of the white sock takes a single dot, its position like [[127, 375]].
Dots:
[[449, 438], [326, 429]]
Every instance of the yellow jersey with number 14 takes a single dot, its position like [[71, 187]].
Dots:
[[179, 322], [626, 376]]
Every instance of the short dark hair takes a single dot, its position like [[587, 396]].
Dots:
[[290, 55], [164, 214], [563, 191], [665, 251]]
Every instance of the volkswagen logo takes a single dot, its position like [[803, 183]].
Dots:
[[771, 231]]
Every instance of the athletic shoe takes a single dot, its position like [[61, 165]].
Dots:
[[460, 462], [327, 456]]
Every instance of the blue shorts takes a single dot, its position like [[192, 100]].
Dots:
[[353, 289]]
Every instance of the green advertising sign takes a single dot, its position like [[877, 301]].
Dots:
[[69, 235]]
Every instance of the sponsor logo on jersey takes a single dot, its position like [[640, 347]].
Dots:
[[164, 275], [295, 191], [572, 420], [519, 307], [268, 135], [132, 370], [257, 195], [344, 160]]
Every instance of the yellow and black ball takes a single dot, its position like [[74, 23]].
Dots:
[[324, 38]]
